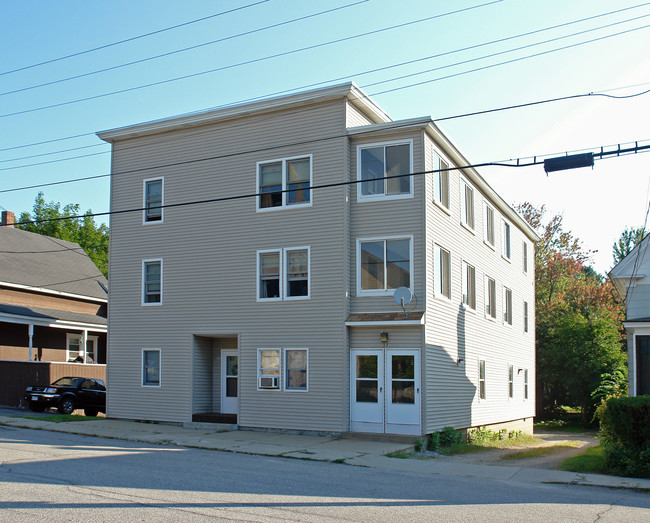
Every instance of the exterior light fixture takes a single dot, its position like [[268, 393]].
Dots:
[[383, 337]]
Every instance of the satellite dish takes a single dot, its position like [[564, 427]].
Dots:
[[402, 296]]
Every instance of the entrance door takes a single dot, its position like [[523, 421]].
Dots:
[[229, 381], [642, 365], [367, 391], [385, 391]]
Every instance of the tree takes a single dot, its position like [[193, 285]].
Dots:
[[578, 319], [628, 240], [92, 238]]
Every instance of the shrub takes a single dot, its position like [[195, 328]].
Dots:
[[419, 444], [434, 442], [449, 436]]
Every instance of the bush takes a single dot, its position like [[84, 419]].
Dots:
[[449, 436], [419, 445], [434, 442], [625, 432]]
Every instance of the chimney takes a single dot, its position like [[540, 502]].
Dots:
[[7, 219]]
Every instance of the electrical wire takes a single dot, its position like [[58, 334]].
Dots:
[[131, 39], [247, 62], [185, 49]]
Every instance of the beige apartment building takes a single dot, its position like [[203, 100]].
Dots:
[[280, 272]]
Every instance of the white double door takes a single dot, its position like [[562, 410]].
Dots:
[[385, 391]]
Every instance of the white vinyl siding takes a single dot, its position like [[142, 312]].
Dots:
[[284, 183], [375, 162], [383, 265], [153, 199]]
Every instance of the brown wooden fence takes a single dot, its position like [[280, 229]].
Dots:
[[16, 376]]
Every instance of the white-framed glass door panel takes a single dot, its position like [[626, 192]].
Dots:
[[367, 391], [229, 381]]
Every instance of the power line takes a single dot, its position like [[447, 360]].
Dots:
[[390, 67], [518, 164], [176, 51], [54, 152], [247, 62], [131, 39]]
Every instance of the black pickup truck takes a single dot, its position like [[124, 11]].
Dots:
[[68, 394]]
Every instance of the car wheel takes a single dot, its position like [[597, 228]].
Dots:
[[91, 412], [67, 406], [36, 407]]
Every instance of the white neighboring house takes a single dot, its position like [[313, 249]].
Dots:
[[277, 312], [631, 277]]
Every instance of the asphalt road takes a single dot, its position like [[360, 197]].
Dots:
[[48, 476]]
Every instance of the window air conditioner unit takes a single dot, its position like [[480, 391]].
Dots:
[[268, 382]]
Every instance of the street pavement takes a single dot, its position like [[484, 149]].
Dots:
[[319, 448]]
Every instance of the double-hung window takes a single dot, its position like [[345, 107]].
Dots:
[[525, 384], [525, 316], [376, 164], [153, 200], [490, 298], [469, 286], [441, 182], [284, 183], [442, 272], [506, 245], [152, 271], [296, 365], [481, 380], [283, 274], [511, 381], [290, 364], [268, 368], [524, 256], [384, 265], [467, 205], [151, 367], [489, 225], [507, 306]]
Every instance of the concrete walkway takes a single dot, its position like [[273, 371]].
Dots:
[[320, 448]]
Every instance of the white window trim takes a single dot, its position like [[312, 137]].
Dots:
[[382, 292], [505, 255], [285, 205], [526, 317], [511, 393], [437, 292], [285, 380], [463, 205], [505, 306], [379, 197], [525, 259], [494, 302], [437, 158], [259, 374], [144, 200], [283, 267], [72, 335], [485, 226], [142, 286], [151, 385], [485, 380], [464, 268], [525, 393]]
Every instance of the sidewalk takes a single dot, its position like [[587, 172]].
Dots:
[[319, 448]]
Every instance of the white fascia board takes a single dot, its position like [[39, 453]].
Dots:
[[391, 323], [53, 292], [631, 324], [238, 110], [56, 324]]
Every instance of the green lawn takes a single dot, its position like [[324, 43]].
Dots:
[[591, 461]]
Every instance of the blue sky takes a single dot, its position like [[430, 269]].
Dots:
[[597, 204]]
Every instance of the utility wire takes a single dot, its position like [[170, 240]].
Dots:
[[247, 62], [55, 152], [176, 51], [314, 187], [130, 39]]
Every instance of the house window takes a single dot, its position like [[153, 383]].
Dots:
[[469, 286], [151, 367], [481, 379], [525, 384], [511, 377], [442, 272], [506, 241], [525, 257], [291, 175], [152, 282], [283, 274], [489, 225], [490, 298], [75, 351], [384, 265], [525, 316], [467, 205], [295, 362], [507, 306], [153, 200], [268, 368], [375, 163], [441, 182]]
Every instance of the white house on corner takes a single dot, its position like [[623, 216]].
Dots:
[[631, 277], [271, 304]]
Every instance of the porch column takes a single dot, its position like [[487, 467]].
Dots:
[[30, 333], [82, 344]]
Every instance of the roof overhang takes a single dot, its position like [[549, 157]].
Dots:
[[51, 291], [51, 322]]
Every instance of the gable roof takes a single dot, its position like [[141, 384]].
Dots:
[[44, 263], [634, 266]]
